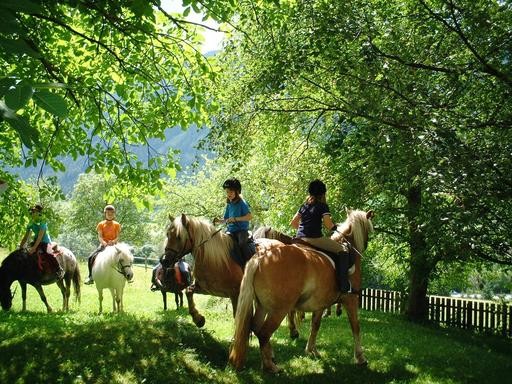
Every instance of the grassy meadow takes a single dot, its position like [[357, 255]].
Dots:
[[148, 345]]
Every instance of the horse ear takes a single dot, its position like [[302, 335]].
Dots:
[[348, 211], [171, 218], [184, 220], [370, 214]]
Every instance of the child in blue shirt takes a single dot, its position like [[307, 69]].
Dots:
[[237, 216]]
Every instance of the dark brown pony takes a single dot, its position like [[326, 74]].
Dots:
[[283, 278], [215, 272], [21, 266], [166, 279]]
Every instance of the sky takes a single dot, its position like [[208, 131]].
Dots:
[[213, 40]]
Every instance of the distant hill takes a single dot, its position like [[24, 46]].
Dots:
[[176, 138]]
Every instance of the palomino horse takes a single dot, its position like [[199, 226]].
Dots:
[[111, 269], [169, 278], [283, 278], [21, 266], [215, 272]]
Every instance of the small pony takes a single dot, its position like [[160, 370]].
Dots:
[[174, 279], [111, 269], [25, 268]]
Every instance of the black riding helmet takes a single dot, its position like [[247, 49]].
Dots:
[[233, 184], [317, 188]]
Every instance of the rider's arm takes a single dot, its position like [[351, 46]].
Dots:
[[38, 241], [100, 237], [25, 237], [328, 222], [246, 217], [295, 221]]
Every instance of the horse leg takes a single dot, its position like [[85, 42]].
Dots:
[[270, 325], [180, 294], [177, 300], [292, 325], [338, 309], [119, 299], [315, 326], [198, 319], [23, 296], [351, 303], [65, 293], [100, 298], [39, 290], [164, 298], [327, 311], [258, 319]]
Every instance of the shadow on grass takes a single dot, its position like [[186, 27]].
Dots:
[[169, 348], [38, 347]]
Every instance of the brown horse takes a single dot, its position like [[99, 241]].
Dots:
[[21, 266], [169, 278], [283, 278], [215, 272]]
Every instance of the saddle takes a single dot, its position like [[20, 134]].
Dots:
[[171, 276], [47, 262]]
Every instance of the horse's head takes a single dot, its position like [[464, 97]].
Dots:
[[179, 241], [125, 258]]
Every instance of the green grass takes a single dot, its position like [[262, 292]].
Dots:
[[148, 345]]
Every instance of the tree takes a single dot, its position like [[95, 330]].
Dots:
[[94, 79], [409, 100]]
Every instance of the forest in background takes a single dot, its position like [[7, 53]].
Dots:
[[402, 107]]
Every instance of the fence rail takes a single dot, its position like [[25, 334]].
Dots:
[[465, 313]]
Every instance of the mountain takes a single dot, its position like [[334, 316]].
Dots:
[[175, 138]]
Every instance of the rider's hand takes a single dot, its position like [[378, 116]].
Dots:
[[31, 250], [231, 220], [216, 221]]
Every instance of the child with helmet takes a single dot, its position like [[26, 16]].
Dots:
[[108, 234], [237, 216], [308, 221]]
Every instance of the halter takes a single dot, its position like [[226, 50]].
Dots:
[[192, 248], [121, 268]]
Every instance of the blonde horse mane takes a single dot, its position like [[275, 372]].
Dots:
[[216, 244], [357, 226]]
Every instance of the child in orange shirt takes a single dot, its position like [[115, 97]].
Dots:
[[108, 234]]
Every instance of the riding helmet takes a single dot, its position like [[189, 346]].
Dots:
[[109, 208], [317, 188], [233, 184], [36, 208]]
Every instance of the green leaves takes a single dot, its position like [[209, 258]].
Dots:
[[17, 96], [52, 103]]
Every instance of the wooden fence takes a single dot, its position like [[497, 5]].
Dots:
[[465, 313]]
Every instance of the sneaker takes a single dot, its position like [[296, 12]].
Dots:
[[89, 281]]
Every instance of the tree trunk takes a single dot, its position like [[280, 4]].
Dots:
[[420, 267]]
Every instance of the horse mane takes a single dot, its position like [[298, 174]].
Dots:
[[217, 244], [357, 226]]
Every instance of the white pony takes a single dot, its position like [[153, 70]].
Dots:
[[111, 269]]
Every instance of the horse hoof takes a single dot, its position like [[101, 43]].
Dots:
[[200, 322]]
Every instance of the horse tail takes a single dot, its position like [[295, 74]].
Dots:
[[243, 317], [76, 282]]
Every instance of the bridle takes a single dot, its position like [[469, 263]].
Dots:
[[191, 248], [121, 268]]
